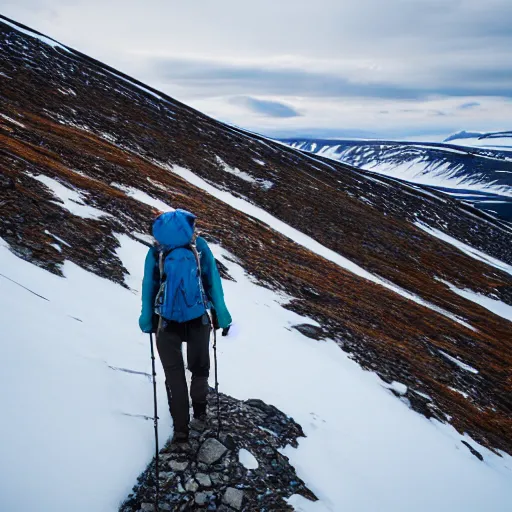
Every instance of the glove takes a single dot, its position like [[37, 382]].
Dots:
[[225, 331], [148, 327]]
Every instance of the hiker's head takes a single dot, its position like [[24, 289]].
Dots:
[[174, 229]]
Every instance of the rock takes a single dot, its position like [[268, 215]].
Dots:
[[215, 478], [203, 498], [311, 331], [203, 480], [147, 507], [191, 485], [233, 497], [211, 451], [178, 466], [476, 453], [229, 442]]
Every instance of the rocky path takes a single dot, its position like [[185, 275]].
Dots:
[[241, 470]]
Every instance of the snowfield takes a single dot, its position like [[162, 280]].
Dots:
[[77, 401]]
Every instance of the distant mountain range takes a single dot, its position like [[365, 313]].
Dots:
[[473, 167]]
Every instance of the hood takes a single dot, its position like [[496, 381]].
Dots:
[[174, 229]]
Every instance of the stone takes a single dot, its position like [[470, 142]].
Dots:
[[215, 478], [201, 498], [311, 331], [178, 466], [229, 442], [191, 485], [147, 507], [211, 451], [233, 497], [477, 454], [203, 480]]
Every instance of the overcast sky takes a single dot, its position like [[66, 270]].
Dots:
[[415, 69]]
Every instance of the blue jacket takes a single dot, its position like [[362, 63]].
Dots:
[[211, 282]]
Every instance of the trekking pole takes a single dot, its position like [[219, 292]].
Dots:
[[216, 381], [155, 420]]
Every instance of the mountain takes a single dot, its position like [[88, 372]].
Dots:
[[497, 140], [375, 313], [463, 134], [474, 168]]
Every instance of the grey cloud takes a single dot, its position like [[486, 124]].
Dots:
[[228, 79], [266, 107]]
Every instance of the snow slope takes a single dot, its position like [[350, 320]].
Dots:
[[79, 394], [76, 388], [476, 170]]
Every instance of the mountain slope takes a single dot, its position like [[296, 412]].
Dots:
[[476, 171], [402, 279]]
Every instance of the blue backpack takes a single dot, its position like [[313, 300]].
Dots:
[[181, 295]]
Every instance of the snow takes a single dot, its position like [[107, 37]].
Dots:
[[235, 172], [302, 239], [10, 119], [466, 249], [503, 143], [43, 39], [493, 305], [259, 162], [266, 184], [68, 417], [368, 452], [142, 197], [463, 393], [56, 238], [400, 388], [247, 459], [82, 396], [72, 200], [458, 362], [438, 175]]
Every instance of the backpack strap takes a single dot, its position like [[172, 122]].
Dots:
[[193, 248]]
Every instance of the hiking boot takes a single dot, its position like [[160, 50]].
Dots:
[[180, 436], [199, 423]]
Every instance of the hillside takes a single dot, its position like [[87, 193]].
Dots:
[[474, 168], [329, 270]]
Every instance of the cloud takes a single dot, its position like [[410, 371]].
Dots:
[[211, 77], [318, 61], [265, 107], [469, 105]]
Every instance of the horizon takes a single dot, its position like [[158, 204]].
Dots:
[[427, 72]]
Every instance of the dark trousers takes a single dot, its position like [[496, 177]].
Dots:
[[169, 339]]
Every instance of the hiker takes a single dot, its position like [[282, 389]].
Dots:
[[177, 298]]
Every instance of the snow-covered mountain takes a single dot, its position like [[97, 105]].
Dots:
[[374, 312], [472, 167], [495, 140]]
